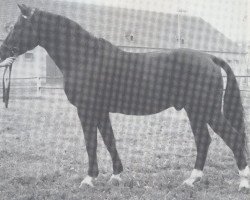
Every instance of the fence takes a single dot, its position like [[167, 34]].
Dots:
[[44, 83], [37, 83]]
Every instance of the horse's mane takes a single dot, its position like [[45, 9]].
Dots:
[[77, 27]]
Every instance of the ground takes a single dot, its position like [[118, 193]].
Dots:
[[42, 155]]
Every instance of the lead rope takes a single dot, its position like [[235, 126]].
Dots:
[[6, 91]]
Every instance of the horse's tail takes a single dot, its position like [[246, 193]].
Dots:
[[232, 107]]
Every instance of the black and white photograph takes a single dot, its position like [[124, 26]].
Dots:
[[124, 99]]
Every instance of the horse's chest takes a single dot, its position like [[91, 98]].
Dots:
[[82, 87]]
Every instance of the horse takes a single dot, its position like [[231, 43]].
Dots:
[[100, 78]]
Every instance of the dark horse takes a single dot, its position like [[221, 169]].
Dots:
[[100, 78]]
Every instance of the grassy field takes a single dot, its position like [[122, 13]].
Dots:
[[42, 155]]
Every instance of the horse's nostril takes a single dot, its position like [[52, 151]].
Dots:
[[15, 51]]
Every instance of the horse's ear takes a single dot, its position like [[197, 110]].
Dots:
[[25, 10]]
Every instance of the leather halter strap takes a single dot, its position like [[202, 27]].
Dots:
[[6, 88]]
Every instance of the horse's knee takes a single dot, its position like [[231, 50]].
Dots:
[[202, 139]]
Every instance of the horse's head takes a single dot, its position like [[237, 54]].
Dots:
[[23, 36]]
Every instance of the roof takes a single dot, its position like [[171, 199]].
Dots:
[[128, 27]]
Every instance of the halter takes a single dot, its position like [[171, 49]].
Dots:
[[6, 91], [15, 52]]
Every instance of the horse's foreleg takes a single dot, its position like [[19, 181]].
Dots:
[[89, 127], [106, 131], [202, 141]]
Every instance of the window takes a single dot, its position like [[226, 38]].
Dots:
[[182, 41], [129, 36]]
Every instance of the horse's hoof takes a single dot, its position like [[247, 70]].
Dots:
[[87, 181], [244, 174], [196, 176], [244, 184], [115, 179], [189, 183]]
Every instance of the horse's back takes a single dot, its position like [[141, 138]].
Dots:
[[198, 83], [144, 83], [150, 83]]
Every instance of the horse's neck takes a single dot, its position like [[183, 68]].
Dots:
[[60, 45], [65, 48]]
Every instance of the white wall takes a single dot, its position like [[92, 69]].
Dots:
[[30, 67]]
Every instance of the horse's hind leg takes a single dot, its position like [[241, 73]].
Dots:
[[235, 141], [106, 131], [202, 141]]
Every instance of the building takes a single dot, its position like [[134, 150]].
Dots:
[[132, 30]]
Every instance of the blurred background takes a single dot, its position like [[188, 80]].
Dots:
[[216, 27], [42, 150]]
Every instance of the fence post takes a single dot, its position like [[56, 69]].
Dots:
[[38, 87]]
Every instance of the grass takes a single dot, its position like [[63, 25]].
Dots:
[[42, 155]]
